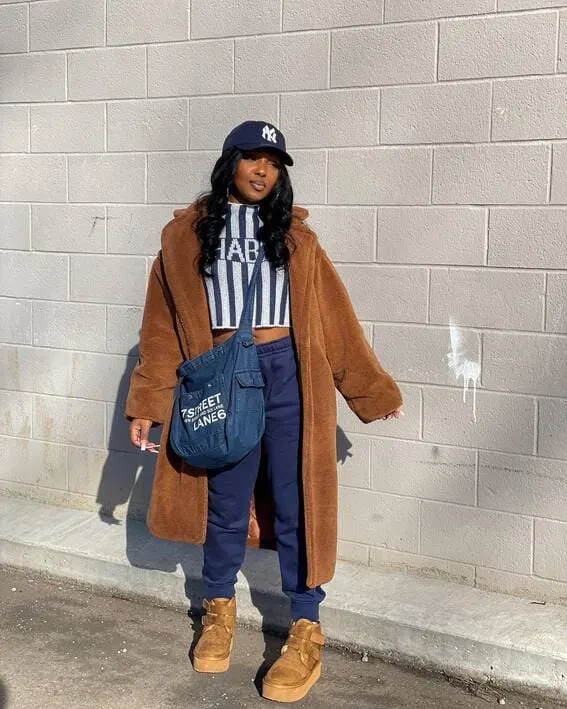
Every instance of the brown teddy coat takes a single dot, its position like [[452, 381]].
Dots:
[[332, 351]]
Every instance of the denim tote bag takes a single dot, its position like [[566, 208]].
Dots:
[[218, 414]]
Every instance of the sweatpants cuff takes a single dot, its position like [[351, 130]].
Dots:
[[219, 592], [309, 611]]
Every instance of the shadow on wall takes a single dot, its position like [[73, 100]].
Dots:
[[127, 477], [3, 696]]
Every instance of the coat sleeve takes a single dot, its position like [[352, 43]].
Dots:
[[154, 378], [368, 389]]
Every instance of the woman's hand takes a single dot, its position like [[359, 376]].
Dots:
[[394, 415], [139, 430]]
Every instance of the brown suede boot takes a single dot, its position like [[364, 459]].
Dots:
[[212, 652], [299, 667]]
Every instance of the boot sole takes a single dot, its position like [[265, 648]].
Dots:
[[293, 694], [201, 664]]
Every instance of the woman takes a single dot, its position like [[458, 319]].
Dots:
[[308, 340]]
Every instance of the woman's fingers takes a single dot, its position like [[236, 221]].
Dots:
[[394, 415], [139, 430]]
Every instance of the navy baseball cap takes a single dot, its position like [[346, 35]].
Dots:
[[254, 135]]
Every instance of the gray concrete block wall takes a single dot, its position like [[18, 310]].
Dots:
[[430, 139]]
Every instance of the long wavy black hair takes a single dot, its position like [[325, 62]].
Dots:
[[275, 213]]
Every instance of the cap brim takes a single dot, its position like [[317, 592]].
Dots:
[[288, 160]]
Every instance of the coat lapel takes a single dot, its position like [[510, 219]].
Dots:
[[180, 252]]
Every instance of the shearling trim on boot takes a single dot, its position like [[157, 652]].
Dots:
[[212, 652], [299, 666]]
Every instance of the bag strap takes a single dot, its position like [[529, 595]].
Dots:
[[245, 324]]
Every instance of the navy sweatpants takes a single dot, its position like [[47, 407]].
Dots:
[[231, 488]]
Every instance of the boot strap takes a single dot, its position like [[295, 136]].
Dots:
[[218, 619], [315, 637], [302, 644]]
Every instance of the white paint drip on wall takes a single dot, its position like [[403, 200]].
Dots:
[[461, 365]]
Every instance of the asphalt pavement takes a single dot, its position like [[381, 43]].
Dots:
[[62, 646]]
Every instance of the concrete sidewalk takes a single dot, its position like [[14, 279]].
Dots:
[[424, 623]]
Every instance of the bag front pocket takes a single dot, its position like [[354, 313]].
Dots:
[[250, 390], [202, 417]]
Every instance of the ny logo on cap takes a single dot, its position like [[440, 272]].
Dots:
[[269, 134]]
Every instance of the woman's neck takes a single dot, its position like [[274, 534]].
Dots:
[[236, 200]]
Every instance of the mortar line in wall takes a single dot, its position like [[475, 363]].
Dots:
[[31, 321], [332, 90], [544, 314], [343, 149], [524, 269], [557, 43], [532, 546], [281, 14], [74, 350], [428, 298], [536, 425], [456, 389], [29, 129], [146, 159], [391, 439], [105, 23], [491, 113], [379, 127], [550, 174], [486, 235], [404, 496], [329, 56], [421, 415], [326, 177], [28, 29], [431, 174], [419, 514], [413, 553], [66, 76], [188, 113], [481, 355], [75, 253], [67, 468], [361, 26], [68, 278], [67, 179], [291, 33], [507, 513], [105, 423], [32, 416], [422, 325], [476, 476], [146, 82], [189, 23], [105, 127], [66, 397], [436, 56], [375, 236], [30, 234]]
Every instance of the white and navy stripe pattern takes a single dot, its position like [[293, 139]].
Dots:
[[232, 271]]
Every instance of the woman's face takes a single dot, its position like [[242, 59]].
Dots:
[[256, 176]]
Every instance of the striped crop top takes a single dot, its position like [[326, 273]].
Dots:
[[232, 270]]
